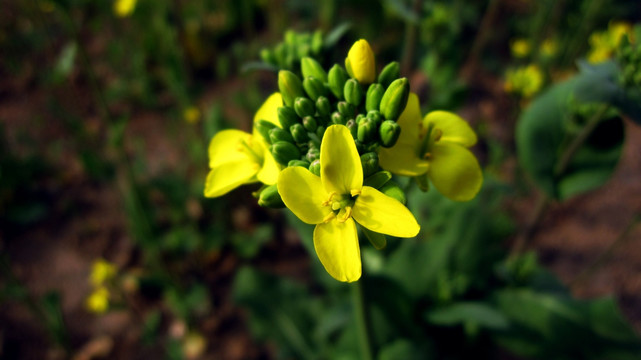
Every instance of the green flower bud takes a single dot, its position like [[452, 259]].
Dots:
[[312, 154], [360, 118], [280, 53], [317, 42], [374, 95], [336, 79], [277, 134], [267, 56], [346, 109], [395, 98], [310, 124], [372, 147], [320, 131], [353, 92], [314, 167], [299, 133], [323, 106], [287, 117], [389, 132], [367, 131], [390, 72], [284, 151], [270, 198], [392, 190], [290, 86], [375, 116], [263, 127], [353, 128], [369, 161], [301, 163], [377, 179], [314, 87], [338, 119], [304, 107], [360, 147], [310, 67]]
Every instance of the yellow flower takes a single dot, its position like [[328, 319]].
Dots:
[[520, 48], [549, 47], [101, 272], [98, 301], [335, 199], [191, 115], [124, 8], [604, 44], [435, 147], [360, 62], [237, 157], [525, 81]]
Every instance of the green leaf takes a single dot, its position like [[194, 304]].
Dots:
[[403, 349], [336, 34], [460, 313]]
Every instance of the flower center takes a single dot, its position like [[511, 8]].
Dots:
[[428, 138], [245, 146], [341, 205]]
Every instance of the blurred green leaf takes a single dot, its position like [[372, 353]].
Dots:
[[403, 349], [460, 313], [336, 34], [402, 9], [64, 63]]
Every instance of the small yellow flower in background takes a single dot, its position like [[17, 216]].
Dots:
[[520, 48], [360, 63], [194, 345], [435, 147], [525, 81], [604, 44], [124, 8], [335, 199], [98, 301], [191, 115], [549, 47], [101, 272], [237, 158]]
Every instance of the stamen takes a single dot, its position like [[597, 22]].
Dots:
[[348, 214], [329, 217], [355, 192], [427, 155], [329, 201], [438, 133]]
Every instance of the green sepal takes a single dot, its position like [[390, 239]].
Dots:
[[270, 198], [353, 128], [395, 98], [290, 87], [311, 67], [284, 151], [312, 154], [390, 72], [338, 119], [310, 124], [304, 107], [314, 167], [277, 134], [263, 127], [367, 131], [336, 79], [299, 133], [301, 163], [287, 117], [346, 109], [369, 161], [422, 182], [373, 97], [378, 240], [323, 106], [394, 191], [314, 88], [389, 132], [320, 131], [378, 179], [353, 92]]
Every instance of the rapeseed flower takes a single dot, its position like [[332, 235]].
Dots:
[[525, 81], [98, 301], [435, 148], [237, 157], [101, 272], [520, 48], [360, 63], [337, 198], [124, 8], [604, 44]]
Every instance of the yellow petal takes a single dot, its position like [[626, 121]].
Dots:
[[226, 147], [268, 174], [341, 169], [303, 194], [455, 172], [268, 111], [402, 160], [360, 62], [227, 176], [454, 128], [124, 8], [336, 245], [383, 214], [410, 121]]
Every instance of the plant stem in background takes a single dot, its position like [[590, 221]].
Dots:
[[360, 316], [410, 39], [607, 253], [561, 167], [485, 28]]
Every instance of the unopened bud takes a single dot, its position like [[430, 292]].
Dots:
[[353, 92], [338, 119], [346, 109], [369, 161], [336, 79], [323, 106], [301, 163], [277, 134], [304, 107], [263, 127], [270, 198], [320, 131], [390, 72], [314, 167], [312, 154], [367, 131], [314, 88], [299, 133], [287, 117], [353, 128], [290, 86], [310, 124], [284, 152], [395, 98], [374, 95], [311, 67], [389, 132]]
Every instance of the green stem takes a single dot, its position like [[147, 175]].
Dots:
[[360, 315], [410, 40], [607, 254]]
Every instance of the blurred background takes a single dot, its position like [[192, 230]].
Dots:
[[108, 248]]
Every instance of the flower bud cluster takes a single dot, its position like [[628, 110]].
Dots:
[[323, 98], [629, 58], [287, 54]]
